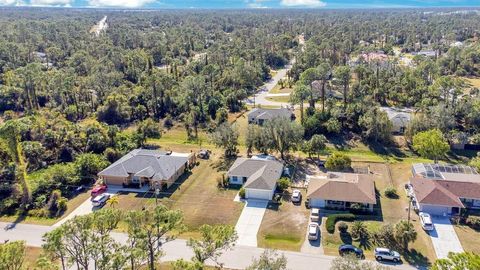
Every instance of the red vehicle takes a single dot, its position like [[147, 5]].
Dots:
[[97, 190]]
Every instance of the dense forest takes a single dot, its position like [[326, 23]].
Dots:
[[70, 92]]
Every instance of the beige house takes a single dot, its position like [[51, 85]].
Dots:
[[339, 191], [140, 167]]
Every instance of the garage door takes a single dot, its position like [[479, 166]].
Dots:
[[435, 209], [317, 203], [258, 194]]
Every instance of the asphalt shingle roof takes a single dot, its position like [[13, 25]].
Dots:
[[260, 173], [266, 114], [145, 163]]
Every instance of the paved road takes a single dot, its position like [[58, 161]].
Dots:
[[249, 222], [444, 238], [237, 258]]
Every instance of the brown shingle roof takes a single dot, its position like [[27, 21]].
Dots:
[[438, 192], [347, 187]]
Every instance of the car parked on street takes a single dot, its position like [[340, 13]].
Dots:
[[313, 231], [350, 249], [426, 221], [385, 254], [97, 190], [315, 214], [296, 196], [100, 200]]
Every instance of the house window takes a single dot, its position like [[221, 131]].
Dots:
[[234, 179], [244, 179]]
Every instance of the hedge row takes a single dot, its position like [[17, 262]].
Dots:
[[332, 220]]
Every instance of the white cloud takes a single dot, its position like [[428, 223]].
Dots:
[[255, 3], [302, 3], [120, 3], [51, 2], [8, 2]]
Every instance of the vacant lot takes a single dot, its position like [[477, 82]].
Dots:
[[283, 226], [391, 211]]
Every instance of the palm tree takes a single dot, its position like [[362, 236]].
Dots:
[[113, 201], [359, 230], [405, 233], [342, 73]]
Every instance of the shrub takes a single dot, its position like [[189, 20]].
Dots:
[[222, 181], [338, 162], [332, 220], [390, 192], [283, 183], [241, 193], [473, 222], [343, 227], [168, 122]]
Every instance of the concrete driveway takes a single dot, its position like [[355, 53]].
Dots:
[[312, 247], [249, 222], [444, 238]]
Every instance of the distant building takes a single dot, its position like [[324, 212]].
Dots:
[[427, 53], [444, 189], [259, 115], [399, 118]]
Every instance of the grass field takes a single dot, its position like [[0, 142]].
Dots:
[[283, 226], [278, 89], [285, 99], [469, 238]]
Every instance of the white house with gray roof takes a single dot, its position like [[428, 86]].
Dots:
[[258, 176], [142, 167], [399, 118], [260, 115]]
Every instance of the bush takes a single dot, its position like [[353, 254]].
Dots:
[[338, 162], [359, 230], [473, 222], [241, 193], [391, 192], [283, 183], [332, 220], [343, 227], [222, 181]]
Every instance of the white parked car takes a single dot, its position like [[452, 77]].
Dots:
[[382, 254], [313, 231], [315, 214], [426, 221], [100, 200], [296, 196]]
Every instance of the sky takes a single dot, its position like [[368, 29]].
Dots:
[[240, 4]]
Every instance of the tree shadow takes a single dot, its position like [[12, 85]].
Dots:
[[390, 150], [223, 163], [415, 258], [346, 238]]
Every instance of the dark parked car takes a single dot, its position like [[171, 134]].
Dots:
[[349, 249]]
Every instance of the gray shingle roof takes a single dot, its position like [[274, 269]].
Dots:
[[266, 114], [260, 173], [153, 164]]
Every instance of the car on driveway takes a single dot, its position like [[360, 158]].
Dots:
[[385, 254], [350, 249], [426, 221], [315, 214], [97, 190], [100, 200], [313, 231], [296, 196]]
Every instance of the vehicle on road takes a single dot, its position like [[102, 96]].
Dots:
[[350, 249], [426, 221], [385, 254], [313, 231], [296, 196], [100, 200], [315, 214], [97, 190]]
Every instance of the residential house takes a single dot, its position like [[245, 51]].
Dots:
[[427, 53], [444, 189], [258, 176], [399, 118], [153, 168], [259, 115], [335, 190]]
